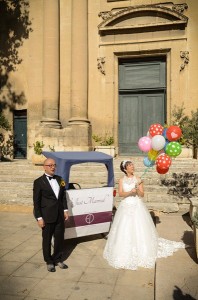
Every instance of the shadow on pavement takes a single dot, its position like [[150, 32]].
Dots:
[[178, 295], [187, 219], [70, 244], [188, 238]]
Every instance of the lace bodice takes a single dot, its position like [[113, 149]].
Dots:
[[129, 183]]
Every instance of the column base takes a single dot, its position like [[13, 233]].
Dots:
[[78, 121], [51, 123]]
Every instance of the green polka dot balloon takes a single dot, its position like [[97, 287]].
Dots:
[[173, 149]]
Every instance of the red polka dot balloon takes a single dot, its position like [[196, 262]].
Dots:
[[163, 161], [155, 129], [173, 133], [162, 171]]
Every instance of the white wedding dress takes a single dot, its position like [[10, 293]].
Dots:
[[133, 240]]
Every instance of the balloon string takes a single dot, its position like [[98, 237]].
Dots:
[[146, 170]]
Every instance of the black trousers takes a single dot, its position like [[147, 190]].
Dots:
[[57, 230]]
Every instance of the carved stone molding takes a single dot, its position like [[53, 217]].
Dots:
[[180, 7], [105, 14], [100, 64], [185, 56], [113, 20]]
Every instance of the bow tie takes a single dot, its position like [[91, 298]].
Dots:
[[50, 177]]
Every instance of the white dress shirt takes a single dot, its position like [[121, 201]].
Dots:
[[54, 184]]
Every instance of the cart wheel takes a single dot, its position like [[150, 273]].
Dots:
[[105, 235]]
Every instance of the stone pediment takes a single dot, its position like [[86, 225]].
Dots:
[[141, 18]]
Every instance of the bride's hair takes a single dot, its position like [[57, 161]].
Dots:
[[124, 164]]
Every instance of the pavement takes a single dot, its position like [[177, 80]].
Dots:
[[23, 274]]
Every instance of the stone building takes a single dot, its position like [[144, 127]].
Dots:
[[101, 67]]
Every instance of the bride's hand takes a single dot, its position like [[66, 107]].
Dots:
[[133, 191]]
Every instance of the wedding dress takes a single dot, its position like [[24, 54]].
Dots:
[[133, 240]]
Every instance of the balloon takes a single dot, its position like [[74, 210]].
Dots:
[[161, 152], [166, 143], [158, 142], [148, 134], [173, 149], [155, 129], [152, 154], [144, 143], [147, 162], [173, 133], [161, 171], [164, 132], [163, 161]]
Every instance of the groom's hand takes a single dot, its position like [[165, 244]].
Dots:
[[66, 215], [41, 223]]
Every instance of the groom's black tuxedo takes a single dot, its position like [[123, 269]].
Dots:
[[51, 209], [46, 205]]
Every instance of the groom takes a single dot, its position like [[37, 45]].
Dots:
[[50, 210]]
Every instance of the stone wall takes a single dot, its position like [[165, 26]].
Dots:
[[69, 100]]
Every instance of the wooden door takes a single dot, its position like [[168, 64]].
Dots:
[[20, 134], [142, 101]]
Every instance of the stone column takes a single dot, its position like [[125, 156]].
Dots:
[[79, 60], [51, 61]]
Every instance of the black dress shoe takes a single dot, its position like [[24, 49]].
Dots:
[[51, 268], [62, 265]]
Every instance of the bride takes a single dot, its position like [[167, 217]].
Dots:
[[133, 240]]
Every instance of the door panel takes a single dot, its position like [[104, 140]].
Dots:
[[136, 114], [129, 125], [20, 136], [142, 75], [152, 110]]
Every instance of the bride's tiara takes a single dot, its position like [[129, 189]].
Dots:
[[125, 161]]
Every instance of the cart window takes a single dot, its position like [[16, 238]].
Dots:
[[88, 175]]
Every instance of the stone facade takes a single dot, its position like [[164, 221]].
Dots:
[[69, 73]]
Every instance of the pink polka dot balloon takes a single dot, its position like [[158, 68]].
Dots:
[[155, 129], [163, 161], [144, 144]]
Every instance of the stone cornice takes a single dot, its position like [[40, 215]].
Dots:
[[172, 16]]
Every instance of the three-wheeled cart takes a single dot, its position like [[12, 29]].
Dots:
[[90, 209]]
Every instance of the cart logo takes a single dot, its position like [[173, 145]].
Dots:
[[89, 218]]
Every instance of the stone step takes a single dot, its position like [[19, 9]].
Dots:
[[18, 178], [14, 185], [14, 171], [138, 162], [16, 181], [17, 192], [21, 189], [153, 200], [27, 201], [25, 183], [99, 167], [101, 177]]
